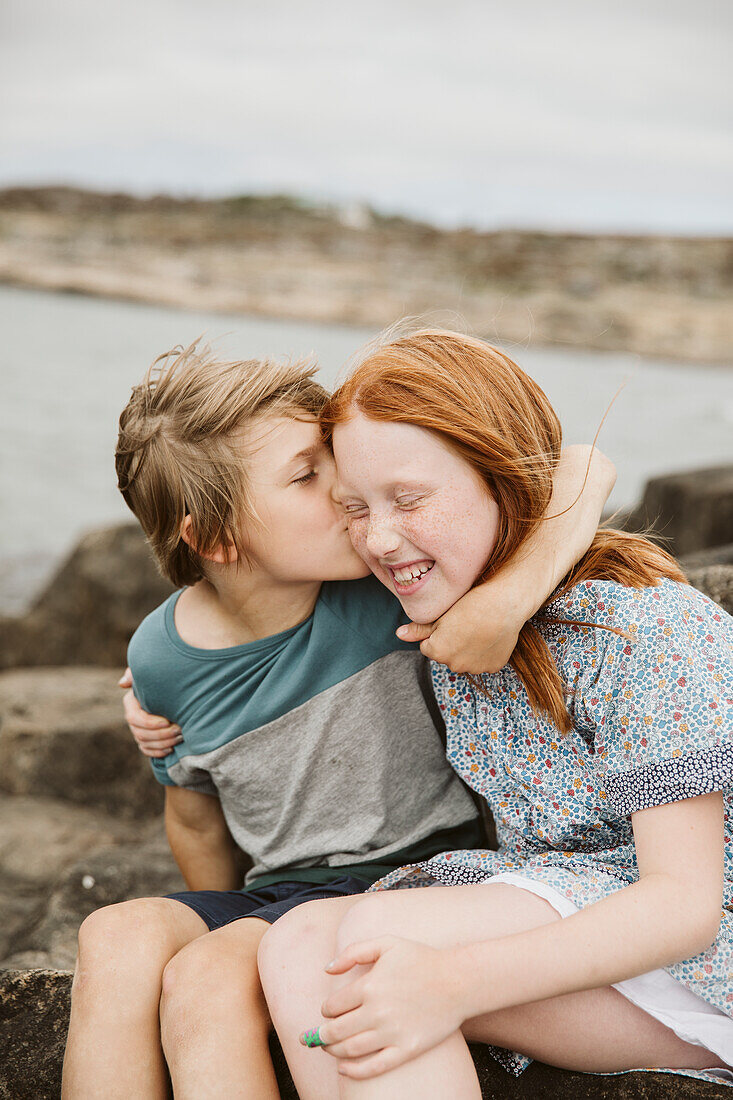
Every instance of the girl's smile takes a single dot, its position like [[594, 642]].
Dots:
[[418, 514]]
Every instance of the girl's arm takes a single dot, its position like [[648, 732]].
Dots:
[[155, 735], [478, 634], [414, 996], [670, 914]]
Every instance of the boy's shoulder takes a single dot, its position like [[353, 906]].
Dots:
[[152, 633], [153, 657]]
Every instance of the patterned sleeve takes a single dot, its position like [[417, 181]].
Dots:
[[661, 700]]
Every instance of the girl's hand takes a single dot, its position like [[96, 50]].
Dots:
[[155, 735], [478, 634], [405, 1004]]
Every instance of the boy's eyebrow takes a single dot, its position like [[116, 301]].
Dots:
[[307, 452]]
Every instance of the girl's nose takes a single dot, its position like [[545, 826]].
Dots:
[[382, 540]]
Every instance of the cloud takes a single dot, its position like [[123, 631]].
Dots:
[[470, 111]]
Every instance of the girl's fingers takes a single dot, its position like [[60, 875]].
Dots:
[[138, 718], [336, 1031], [157, 754], [125, 680], [373, 1064], [366, 1042], [144, 743], [364, 953], [415, 632], [343, 1000], [156, 738]]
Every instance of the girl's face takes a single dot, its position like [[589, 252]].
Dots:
[[420, 517]]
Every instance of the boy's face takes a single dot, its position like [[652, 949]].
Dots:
[[303, 535]]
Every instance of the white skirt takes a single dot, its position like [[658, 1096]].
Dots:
[[657, 992]]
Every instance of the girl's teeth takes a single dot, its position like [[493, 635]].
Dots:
[[409, 576]]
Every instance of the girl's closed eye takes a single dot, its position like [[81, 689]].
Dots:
[[355, 509], [410, 502]]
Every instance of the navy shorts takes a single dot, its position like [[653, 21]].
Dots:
[[220, 907]]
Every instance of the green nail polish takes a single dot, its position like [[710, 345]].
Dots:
[[312, 1038]]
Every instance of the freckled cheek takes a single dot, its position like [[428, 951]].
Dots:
[[358, 530], [445, 535]]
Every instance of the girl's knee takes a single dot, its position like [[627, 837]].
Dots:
[[207, 977], [368, 917], [300, 931]]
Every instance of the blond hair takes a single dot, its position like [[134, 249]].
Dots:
[[177, 451]]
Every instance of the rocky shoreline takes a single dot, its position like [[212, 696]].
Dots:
[[275, 256], [80, 814]]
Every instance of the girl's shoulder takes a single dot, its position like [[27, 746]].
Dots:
[[663, 610]]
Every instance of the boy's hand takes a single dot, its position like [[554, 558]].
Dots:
[[478, 634], [155, 735]]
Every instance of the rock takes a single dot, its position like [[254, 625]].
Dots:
[[88, 612], [104, 876], [21, 907], [62, 735], [40, 837], [714, 555], [716, 581], [691, 511], [34, 1012], [34, 1019]]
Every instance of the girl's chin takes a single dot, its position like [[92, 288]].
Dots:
[[427, 609]]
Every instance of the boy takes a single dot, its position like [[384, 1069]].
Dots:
[[301, 712]]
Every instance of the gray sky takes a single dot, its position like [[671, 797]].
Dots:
[[569, 113]]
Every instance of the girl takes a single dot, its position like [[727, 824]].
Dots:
[[599, 936]]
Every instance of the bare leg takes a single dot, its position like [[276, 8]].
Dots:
[[113, 1049], [214, 1019], [595, 1030], [292, 958]]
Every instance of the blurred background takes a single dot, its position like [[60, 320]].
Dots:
[[289, 178]]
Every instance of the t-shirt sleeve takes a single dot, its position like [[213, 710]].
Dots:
[[662, 701], [156, 683]]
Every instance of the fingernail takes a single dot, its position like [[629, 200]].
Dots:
[[331, 964], [401, 631], [312, 1038]]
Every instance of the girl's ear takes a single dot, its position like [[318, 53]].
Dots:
[[224, 554]]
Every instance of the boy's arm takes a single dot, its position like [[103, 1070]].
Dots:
[[200, 840], [478, 634]]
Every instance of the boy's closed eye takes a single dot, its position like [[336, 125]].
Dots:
[[305, 478]]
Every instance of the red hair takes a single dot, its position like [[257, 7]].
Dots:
[[501, 423]]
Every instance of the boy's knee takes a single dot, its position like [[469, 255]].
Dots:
[[206, 977], [123, 939]]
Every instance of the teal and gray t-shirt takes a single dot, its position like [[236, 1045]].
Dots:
[[322, 742]]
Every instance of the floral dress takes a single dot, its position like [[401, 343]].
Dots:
[[651, 704]]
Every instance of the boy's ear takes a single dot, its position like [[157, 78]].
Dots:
[[224, 554]]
